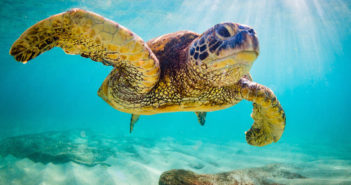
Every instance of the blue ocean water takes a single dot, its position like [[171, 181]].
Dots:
[[304, 58]]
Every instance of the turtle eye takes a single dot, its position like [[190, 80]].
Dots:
[[223, 32]]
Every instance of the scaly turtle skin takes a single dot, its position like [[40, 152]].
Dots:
[[181, 71]]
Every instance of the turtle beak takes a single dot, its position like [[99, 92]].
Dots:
[[253, 41], [245, 40]]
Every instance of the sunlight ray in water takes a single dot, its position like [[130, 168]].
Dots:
[[299, 31]]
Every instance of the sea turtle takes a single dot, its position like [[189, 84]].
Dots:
[[181, 71]]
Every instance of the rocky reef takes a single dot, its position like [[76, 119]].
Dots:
[[266, 175]]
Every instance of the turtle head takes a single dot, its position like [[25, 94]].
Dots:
[[224, 53]]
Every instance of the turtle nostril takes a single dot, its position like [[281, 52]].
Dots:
[[251, 31]]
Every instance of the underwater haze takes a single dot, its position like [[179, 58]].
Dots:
[[305, 58]]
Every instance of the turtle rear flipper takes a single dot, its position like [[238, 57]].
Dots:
[[92, 36], [201, 117], [133, 120], [268, 114]]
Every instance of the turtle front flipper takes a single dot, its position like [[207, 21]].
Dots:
[[92, 36], [268, 114]]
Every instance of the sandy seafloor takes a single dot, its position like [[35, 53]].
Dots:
[[99, 159]]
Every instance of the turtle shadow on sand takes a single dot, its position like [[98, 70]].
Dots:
[[58, 148], [273, 174]]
